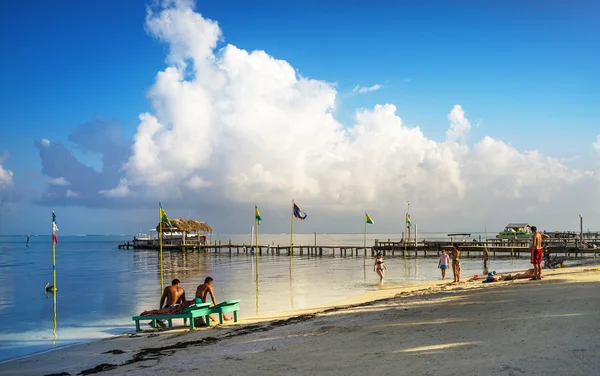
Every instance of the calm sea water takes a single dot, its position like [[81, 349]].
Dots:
[[100, 287]]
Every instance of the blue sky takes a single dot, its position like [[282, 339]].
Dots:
[[524, 72]]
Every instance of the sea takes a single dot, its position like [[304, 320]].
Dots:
[[100, 287]]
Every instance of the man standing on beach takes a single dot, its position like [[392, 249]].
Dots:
[[537, 254], [172, 295]]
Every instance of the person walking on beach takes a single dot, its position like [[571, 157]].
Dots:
[[537, 254], [456, 262], [443, 264], [379, 267]]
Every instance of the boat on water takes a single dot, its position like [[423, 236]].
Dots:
[[516, 231]]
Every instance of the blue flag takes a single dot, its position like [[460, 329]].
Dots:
[[298, 213]]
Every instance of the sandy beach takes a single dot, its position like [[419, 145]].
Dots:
[[547, 327]]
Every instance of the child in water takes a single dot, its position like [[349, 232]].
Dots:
[[379, 267], [444, 262]]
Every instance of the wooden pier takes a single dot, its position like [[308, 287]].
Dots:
[[497, 249]]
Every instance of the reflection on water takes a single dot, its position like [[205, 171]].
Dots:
[[291, 286], [103, 287]]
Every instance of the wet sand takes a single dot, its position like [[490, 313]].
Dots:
[[437, 328]]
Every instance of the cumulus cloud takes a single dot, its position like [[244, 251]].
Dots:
[[196, 182], [365, 89], [246, 126], [232, 127], [58, 181], [596, 144], [67, 177], [6, 176], [71, 194], [122, 190], [459, 125]]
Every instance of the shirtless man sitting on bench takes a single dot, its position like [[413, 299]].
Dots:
[[206, 288]]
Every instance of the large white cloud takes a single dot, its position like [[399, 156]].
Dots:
[[247, 127]]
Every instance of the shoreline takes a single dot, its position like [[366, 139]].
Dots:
[[133, 348], [85, 356]]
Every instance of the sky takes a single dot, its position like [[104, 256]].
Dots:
[[477, 113]]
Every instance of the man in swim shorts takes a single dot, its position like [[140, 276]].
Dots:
[[172, 295], [206, 289], [537, 254]]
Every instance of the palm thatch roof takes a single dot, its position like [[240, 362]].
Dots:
[[187, 225]]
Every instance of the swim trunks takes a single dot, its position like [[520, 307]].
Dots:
[[443, 267], [537, 256]]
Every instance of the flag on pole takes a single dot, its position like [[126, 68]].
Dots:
[[54, 229], [298, 213], [257, 214], [408, 222], [163, 216], [369, 220]]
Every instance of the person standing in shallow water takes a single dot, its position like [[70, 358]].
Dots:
[[456, 262], [379, 267], [443, 264]]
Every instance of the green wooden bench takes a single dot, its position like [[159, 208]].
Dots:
[[191, 312], [226, 306]]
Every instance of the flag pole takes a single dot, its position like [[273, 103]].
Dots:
[[54, 279], [407, 226], [53, 255], [365, 237], [292, 232], [256, 254], [256, 245], [160, 252]]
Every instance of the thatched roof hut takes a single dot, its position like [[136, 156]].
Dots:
[[187, 225]]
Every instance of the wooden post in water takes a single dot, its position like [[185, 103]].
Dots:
[[229, 247], [581, 230]]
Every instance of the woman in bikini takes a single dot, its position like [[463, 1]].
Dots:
[[456, 262], [379, 267]]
